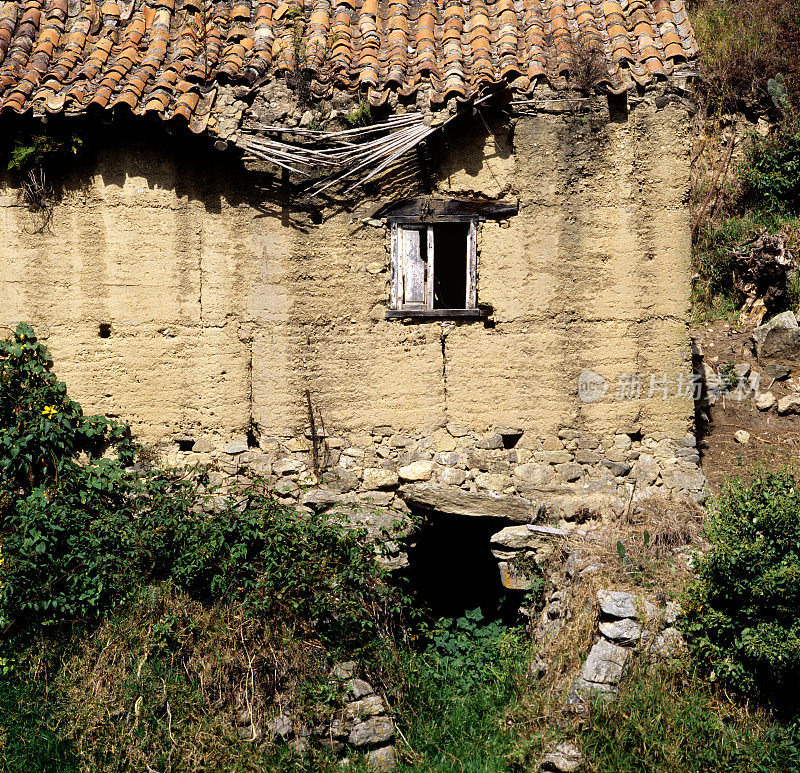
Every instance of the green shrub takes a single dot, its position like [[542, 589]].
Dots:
[[81, 537], [741, 614], [472, 646], [41, 430], [771, 169], [81, 547], [455, 702]]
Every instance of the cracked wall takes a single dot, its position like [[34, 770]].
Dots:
[[225, 303]]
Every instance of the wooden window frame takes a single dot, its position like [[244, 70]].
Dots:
[[423, 307]]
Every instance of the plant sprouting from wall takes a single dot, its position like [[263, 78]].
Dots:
[[35, 158], [300, 75], [360, 115], [588, 62]]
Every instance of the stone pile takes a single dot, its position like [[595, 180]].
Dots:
[[776, 345], [376, 464], [362, 723], [627, 623]]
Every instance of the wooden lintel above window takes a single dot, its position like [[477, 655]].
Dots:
[[428, 209]]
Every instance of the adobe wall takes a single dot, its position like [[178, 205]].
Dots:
[[226, 304]]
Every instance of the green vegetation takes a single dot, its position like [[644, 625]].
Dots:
[[360, 115], [750, 60], [742, 613], [139, 609], [764, 196], [460, 697], [668, 718], [83, 534], [41, 151], [771, 170]]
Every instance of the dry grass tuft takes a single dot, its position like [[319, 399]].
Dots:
[[657, 566], [742, 45]]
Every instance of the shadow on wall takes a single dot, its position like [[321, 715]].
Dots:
[[177, 161], [190, 166]]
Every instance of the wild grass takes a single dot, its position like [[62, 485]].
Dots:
[[742, 45], [667, 718], [162, 685]]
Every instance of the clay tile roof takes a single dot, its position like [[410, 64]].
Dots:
[[167, 56]]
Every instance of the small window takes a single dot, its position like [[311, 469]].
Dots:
[[434, 269]]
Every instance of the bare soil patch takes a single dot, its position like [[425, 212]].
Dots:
[[774, 440]]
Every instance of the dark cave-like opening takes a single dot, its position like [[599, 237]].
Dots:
[[452, 570]]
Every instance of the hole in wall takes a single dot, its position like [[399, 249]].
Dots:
[[104, 330], [252, 439], [452, 570], [184, 443], [510, 440]]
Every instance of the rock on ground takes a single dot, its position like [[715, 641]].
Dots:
[[617, 603], [565, 758]]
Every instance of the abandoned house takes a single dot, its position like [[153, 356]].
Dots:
[[421, 253]]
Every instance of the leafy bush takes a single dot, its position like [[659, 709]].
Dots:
[[456, 702], [82, 536], [42, 430], [771, 168], [81, 547], [741, 614], [472, 646]]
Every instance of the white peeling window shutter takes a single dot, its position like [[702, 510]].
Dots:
[[413, 268], [472, 265]]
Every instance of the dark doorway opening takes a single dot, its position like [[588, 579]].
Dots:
[[450, 266], [452, 570]]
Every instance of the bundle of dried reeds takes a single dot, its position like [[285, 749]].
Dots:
[[362, 153], [337, 156]]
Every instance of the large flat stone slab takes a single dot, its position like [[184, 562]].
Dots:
[[605, 663], [455, 501], [617, 603]]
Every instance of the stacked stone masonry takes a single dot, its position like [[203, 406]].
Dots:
[[378, 467]]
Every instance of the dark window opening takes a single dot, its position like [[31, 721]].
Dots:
[[434, 270], [450, 266], [185, 444], [105, 330]]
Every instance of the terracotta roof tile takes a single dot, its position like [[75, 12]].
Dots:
[[164, 56]]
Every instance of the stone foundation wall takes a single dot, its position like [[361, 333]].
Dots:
[[380, 466]]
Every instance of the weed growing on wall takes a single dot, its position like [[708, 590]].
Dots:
[[37, 159]]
